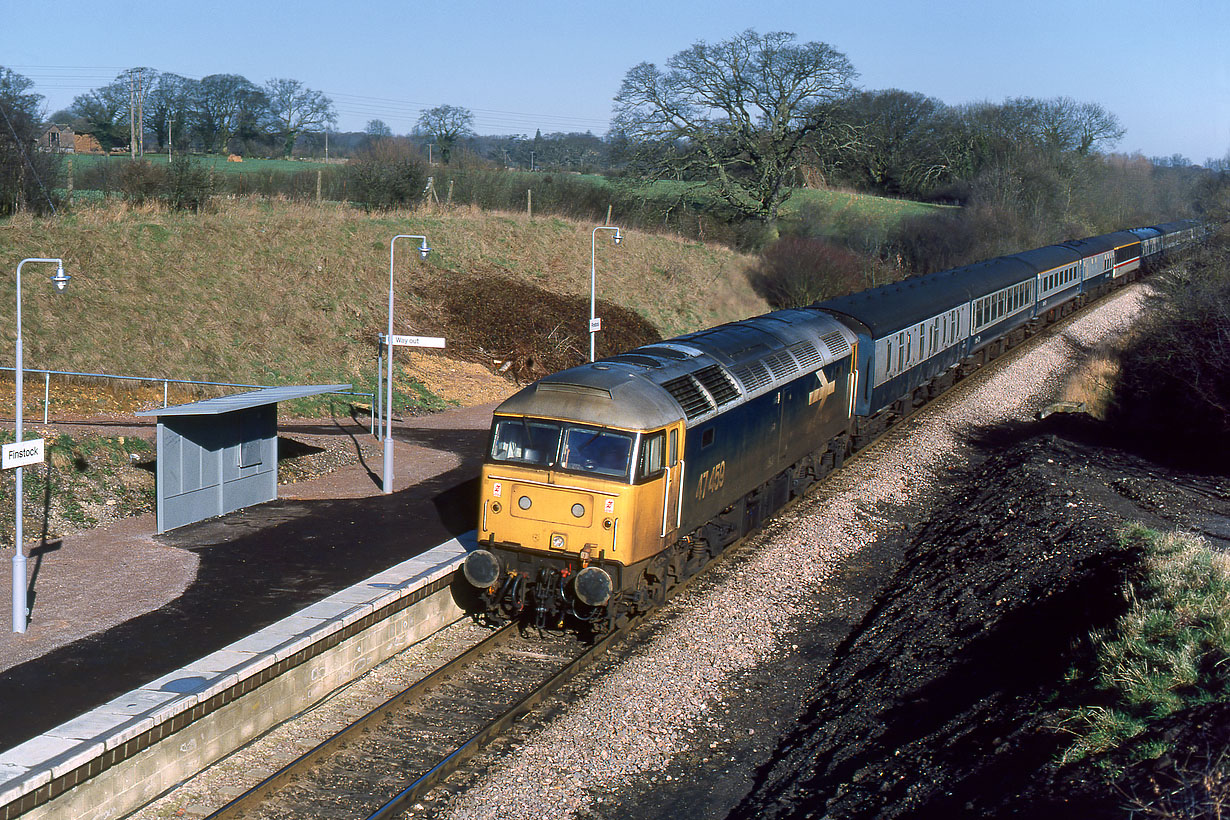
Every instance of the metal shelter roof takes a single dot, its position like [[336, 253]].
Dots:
[[242, 401]]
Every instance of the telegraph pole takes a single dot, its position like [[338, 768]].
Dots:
[[132, 114]]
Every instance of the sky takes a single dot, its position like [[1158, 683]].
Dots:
[[1162, 67]]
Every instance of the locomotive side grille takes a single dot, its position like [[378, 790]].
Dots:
[[691, 398], [714, 379], [836, 343], [807, 354], [782, 364], [752, 375]]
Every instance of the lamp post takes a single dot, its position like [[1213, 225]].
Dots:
[[388, 404], [19, 556], [593, 251]]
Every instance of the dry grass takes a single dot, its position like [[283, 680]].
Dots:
[[1093, 384], [277, 292]]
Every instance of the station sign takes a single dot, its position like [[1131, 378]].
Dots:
[[595, 325], [21, 453], [411, 341]]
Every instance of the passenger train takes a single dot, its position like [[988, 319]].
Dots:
[[605, 484]]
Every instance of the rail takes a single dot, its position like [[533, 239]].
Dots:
[[166, 386]]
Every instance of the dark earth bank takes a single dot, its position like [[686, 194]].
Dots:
[[929, 680], [945, 700]]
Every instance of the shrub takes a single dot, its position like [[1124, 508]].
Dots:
[[190, 185], [141, 181], [795, 271], [1174, 382], [388, 173]]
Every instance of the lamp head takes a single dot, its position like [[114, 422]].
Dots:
[[60, 280], [618, 236], [424, 250]]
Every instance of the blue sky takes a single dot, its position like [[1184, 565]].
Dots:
[[556, 65]]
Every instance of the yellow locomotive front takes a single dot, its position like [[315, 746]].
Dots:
[[579, 493]]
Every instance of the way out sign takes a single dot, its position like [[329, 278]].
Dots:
[[21, 453], [411, 341]]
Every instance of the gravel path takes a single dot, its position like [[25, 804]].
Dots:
[[646, 710]]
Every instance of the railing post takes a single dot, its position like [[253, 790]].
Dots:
[[46, 392], [164, 393], [379, 409]]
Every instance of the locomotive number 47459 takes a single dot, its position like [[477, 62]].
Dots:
[[711, 480]]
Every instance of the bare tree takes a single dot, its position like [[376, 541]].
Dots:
[[377, 128], [27, 176], [295, 108], [735, 113], [224, 104], [446, 124]]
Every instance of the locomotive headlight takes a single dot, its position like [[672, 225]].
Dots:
[[593, 586], [481, 568], [524, 502], [578, 510]]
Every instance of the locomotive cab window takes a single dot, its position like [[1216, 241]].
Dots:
[[596, 451], [552, 444], [652, 455], [526, 441]]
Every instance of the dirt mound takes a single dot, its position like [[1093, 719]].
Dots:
[[527, 332], [945, 701]]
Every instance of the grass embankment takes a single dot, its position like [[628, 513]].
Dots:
[[269, 292], [1170, 651]]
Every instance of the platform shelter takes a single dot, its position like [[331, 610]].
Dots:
[[219, 455]]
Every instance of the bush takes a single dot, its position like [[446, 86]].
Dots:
[[1174, 382], [795, 271], [189, 185], [141, 181], [388, 173]]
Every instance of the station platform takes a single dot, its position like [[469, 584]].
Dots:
[[333, 566]]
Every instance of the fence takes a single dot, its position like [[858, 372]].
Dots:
[[166, 386]]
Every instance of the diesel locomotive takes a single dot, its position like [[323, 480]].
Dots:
[[605, 484]]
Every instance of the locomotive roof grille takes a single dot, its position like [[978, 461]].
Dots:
[[691, 398], [836, 343], [714, 379], [807, 354], [752, 375], [782, 364]]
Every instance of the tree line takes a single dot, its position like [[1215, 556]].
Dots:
[[211, 113]]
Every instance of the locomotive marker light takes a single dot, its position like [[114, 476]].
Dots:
[[387, 481], [595, 324], [19, 555]]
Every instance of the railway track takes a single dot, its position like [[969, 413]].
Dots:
[[387, 760]]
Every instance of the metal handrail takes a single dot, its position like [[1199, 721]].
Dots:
[[166, 383]]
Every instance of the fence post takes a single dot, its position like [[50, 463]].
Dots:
[[46, 392], [164, 393], [529, 202]]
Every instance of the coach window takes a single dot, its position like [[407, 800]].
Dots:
[[674, 447]]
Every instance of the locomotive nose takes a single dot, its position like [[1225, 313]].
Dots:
[[593, 586], [481, 568]]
